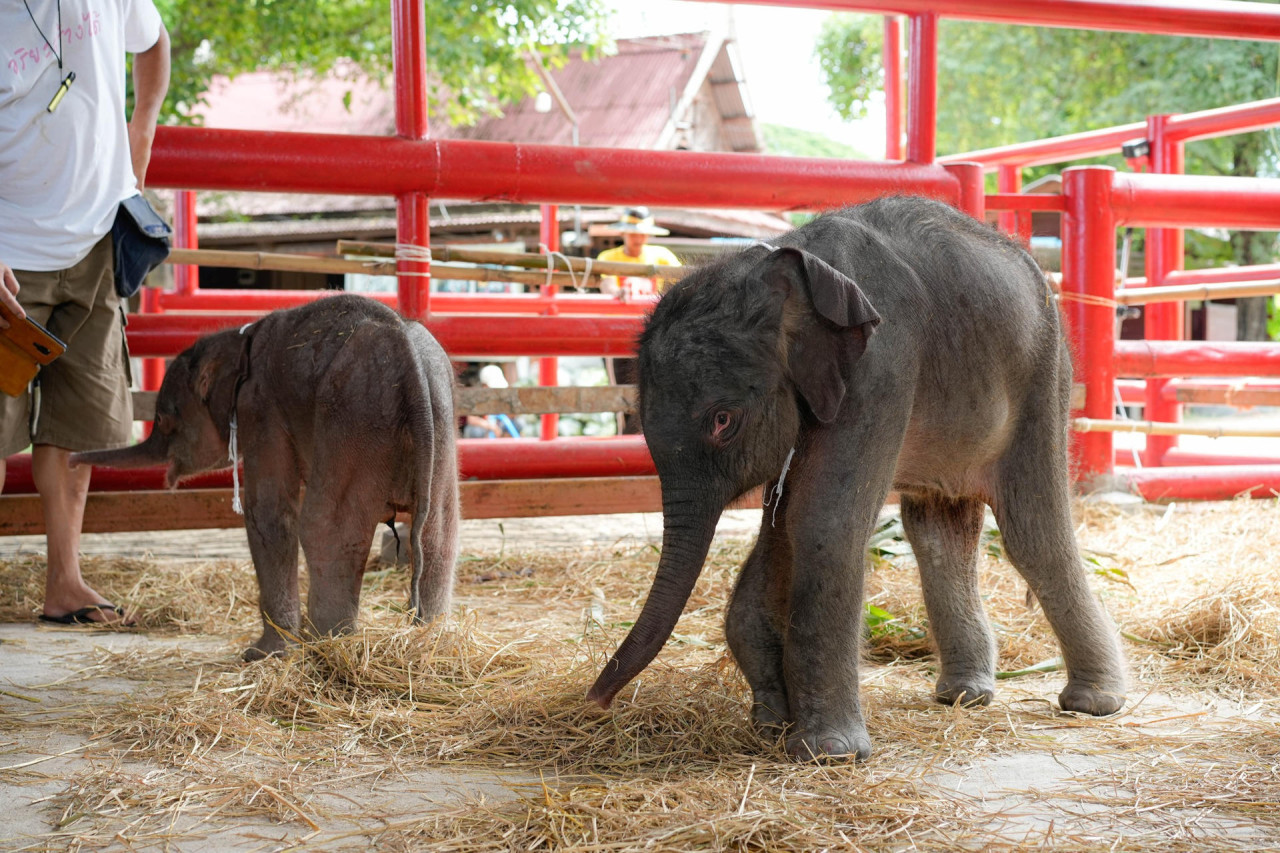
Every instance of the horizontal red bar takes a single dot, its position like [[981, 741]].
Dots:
[[479, 459], [206, 159], [208, 299], [1213, 18], [1215, 275], [1196, 201], [1060, 149], [1025, 201], [1180, 457], [1196, 358], [1209, 483], [161, 335], [1225, 121]]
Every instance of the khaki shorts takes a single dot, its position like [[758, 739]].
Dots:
[[84, 394]]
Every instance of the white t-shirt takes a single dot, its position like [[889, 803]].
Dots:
[[63, 173]]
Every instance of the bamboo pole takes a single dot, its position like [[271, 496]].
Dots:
[[1185, 292], [1153, 428], [527, 260], [562, 400], [311, 263]]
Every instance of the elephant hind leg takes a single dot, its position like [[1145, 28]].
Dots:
[[944, 534], [1032, 507], [336, 541]]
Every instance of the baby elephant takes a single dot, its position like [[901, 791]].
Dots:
[[342, 396]]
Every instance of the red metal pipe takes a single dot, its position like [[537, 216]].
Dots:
[[1088, 268], [1162, 321], [1207, 18], [1197, 201], [1225, 121], [1218, 275], [460, 335], [444, 303], [479, 459], [373, 165], [1059, 149], [186, 277], [1196, 358], [1028, 202], [1217, 483], [549, 368], [893, 88], [1009, 184], [413, 224], [922, 89], [973, 200]]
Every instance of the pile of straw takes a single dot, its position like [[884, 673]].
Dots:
[[675, 765]]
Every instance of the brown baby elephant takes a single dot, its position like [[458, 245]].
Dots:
[[341, 396]]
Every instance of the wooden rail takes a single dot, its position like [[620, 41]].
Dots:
[[562, 400]]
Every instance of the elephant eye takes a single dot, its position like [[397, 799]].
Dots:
[[720, 423]]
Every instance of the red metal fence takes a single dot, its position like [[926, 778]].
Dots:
[[1094, 201]]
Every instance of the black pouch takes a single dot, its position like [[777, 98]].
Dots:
[[141, 240]]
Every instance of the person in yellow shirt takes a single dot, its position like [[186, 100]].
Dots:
[[636, 226]]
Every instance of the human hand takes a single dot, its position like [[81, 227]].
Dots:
[[9, 295], [141, 135]]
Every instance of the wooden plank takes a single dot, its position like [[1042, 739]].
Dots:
[[492, 401], [198, 509]]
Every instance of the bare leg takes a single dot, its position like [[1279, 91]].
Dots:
[[271, 522], [944, 534], [63, 492]]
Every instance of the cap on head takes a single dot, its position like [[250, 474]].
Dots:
[[638, 220]]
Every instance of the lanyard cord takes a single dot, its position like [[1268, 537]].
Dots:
[[57, 53]]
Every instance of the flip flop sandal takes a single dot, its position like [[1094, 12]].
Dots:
[[84, 616]]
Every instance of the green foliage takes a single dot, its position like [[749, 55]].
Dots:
[[794, 142], [1003, 84], [475, 51]]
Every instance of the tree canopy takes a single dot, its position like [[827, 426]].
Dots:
[[1004, 84], [476, 51]]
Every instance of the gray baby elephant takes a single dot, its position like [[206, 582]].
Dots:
[[341, 396], [894, 345]]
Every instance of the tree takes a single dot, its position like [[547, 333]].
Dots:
[[1004, 84], [476, 51]]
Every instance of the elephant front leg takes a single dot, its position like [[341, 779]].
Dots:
[[756, 623], [271, 521], [944, 534]]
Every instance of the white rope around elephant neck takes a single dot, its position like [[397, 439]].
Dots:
[[776, 494]]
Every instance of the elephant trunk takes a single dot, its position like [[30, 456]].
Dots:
[[686, 538], [153, 451]]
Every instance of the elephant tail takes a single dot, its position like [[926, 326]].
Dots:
[[429, 401]]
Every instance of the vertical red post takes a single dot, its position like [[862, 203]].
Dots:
[[413, 225], [1164, 320], [549, 368], [922, 89], [973, 199], [186, 277], [893, 89], [1008, 180], [1089, 269]]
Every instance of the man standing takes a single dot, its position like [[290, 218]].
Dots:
[[636, 226], [67, 159]]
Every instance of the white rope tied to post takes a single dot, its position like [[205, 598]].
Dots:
[[551, 267], [414, 254]]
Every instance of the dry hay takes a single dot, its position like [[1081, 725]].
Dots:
[[1193, 762]]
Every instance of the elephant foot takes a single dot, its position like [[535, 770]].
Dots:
[[1098, 700], [268, 645], [830, 747], [964, 692], [770, 715]]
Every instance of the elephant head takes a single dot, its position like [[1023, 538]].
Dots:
[[733, 361], [193, 410]]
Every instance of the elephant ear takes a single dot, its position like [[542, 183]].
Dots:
[[840, 320]]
